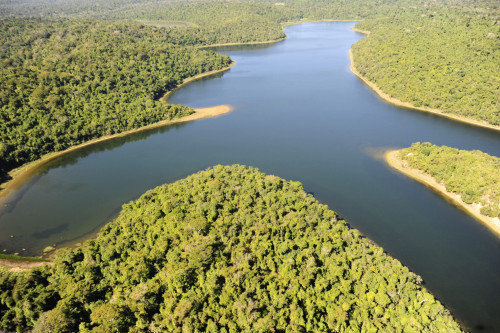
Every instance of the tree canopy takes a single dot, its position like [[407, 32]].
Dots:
[[226, 249], [439, 58], [473, 175], [66, 82]]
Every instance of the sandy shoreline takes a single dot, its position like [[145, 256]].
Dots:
[[397, 102], [19, 174], [22, 173], [19, 266], [394, 161], [247, 43], [366, 32], [194, 78]]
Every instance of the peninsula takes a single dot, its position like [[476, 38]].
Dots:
[[470, 179]]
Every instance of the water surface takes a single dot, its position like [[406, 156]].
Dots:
[[300, 114]]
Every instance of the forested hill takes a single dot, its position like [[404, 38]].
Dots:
[[440, 58], [473, 175], [226, 249], [66, 82], [442, 54]]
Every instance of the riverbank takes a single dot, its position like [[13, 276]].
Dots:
[[245, 43], [407, 105], [19, 175], [365, 32], [194, 78], [394, 161], [18, 264]]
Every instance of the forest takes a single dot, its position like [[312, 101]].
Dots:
[[474, 175], [82, 70], [226, 249], [442, 59], [63, 83]]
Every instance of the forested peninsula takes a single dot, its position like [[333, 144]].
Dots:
[[471, 179], [64, 83], [226, 249], [76, 71], [443, 61]]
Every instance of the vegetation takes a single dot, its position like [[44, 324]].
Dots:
[[64, 83], [226, 249], [14, 258], [473, 175], [436, 58], [222, 22]]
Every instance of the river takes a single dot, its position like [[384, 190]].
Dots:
[[299, 113]]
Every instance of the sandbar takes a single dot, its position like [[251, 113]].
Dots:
[[19, 266]]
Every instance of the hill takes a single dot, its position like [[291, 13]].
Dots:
[[226, 249]]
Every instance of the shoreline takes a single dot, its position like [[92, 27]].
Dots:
[[13, 263], [188, 80], [21, 266], [364, 32], [395, 162], [25, 171], [19, 174], [408, 105], [242, 43]]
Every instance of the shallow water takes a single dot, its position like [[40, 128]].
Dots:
[[301, 114]]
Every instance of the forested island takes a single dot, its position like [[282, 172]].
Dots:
[[470, 178], [226, 249]]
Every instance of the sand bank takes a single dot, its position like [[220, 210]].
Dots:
[[194, 78], [19, 266]]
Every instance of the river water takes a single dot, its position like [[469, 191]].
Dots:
[[299, 113]]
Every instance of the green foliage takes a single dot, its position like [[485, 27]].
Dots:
[[225, 22], [23, 297], [14, 258], [232, 249], [64, 83], [473, 175], [439, 58]]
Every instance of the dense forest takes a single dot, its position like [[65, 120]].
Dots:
[[66, 82], [226, 249], [473, 175], [441, 59], [229, 248]]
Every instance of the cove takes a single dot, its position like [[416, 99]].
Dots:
[[299, 113]]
